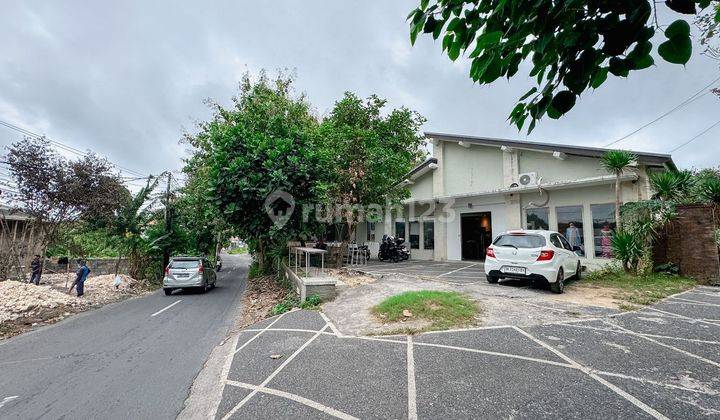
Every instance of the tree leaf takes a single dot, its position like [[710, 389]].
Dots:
[[643, 63], [454, 50], [553, 113], [676, 50], [486, 40], [563, 101], [679, 28], [527, 95], [430, 24], [424, 4], [682, 6]]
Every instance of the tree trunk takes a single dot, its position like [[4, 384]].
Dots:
[[618, 202], [261, 256]]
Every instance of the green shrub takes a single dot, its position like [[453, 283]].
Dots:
[[311, 302], [627, 248], [443, 309], [287, 304]]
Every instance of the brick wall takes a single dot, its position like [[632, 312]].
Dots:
[[689, 242]]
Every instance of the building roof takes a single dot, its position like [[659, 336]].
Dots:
[[9, 213], [650, 159]]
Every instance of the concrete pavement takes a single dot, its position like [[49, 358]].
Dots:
[[133, 359], [660, 362]]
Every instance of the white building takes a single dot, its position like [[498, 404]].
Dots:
[[474, 188]]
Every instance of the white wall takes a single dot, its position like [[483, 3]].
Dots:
[[471, 169]]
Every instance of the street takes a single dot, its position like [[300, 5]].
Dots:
[[134, 359]]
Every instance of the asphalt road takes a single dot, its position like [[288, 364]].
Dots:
[[661, 362], [130, 360]]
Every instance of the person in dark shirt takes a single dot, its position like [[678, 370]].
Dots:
[[80, 277], [36, 268]]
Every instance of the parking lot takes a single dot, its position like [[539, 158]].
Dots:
[[453, 272], [660, 362]]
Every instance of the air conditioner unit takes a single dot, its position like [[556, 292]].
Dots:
[[528, 179]]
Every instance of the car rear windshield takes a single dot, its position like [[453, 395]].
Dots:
[[185, 264], [520, 241]]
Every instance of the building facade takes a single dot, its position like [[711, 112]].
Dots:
[[473, 188]]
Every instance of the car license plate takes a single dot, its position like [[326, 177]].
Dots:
[[513, 270], [182, 275]]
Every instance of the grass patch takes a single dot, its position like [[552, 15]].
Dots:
[[639, 290], [238, 250], [442, 310]]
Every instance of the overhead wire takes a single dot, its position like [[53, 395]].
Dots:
[[695, 137], [697, 95]]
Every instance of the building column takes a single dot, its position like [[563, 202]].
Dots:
[[513, 209], [440, 252]]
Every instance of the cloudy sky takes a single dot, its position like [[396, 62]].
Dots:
[[126, 79]]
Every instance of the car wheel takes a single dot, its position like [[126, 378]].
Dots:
[[492, 279], [578, 272], [559, 285], [168, 292]]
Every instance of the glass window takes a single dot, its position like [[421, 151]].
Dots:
[[555, 240], [520, 241], [565, 243], [400, 229], [603, 227], [415, 235], [186, 264], [370, 227], [537, 219], [570, 225], [429, 234]]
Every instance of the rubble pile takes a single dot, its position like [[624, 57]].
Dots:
[[23, 300], [23, 305]]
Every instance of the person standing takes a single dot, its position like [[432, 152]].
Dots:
[[572, 234], [80, 277], [36, 268]]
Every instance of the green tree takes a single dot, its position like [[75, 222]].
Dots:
[[252, 151], [672, 185], [572, 44], [368, 152], [616, 162]]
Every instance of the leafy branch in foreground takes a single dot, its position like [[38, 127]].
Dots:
[[572, 44]]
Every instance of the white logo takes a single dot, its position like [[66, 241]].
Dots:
[[279, 206]]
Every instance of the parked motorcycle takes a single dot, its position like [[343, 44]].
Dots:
[[392, 249]]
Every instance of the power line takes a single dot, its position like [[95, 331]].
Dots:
[[696, 136], [61, 145], [697, 95]]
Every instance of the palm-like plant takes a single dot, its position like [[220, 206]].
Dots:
[[615, 162], [709, 190], [672, 185]]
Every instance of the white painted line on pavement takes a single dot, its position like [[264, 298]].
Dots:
[[272, 375], [673, 314], [224, 374], [494, 353], [686, 353], [412, 393], [256, 335], [7, 400], [690, 302], [331, 325], [302, 400], [636, 402], [693, 340], [459, 269], [663, 384], [166, 308]]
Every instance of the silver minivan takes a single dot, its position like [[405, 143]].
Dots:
[[188, 273]]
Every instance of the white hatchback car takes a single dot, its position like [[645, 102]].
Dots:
[[535, 255]]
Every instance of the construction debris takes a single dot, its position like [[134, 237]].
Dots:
[[24, 305]]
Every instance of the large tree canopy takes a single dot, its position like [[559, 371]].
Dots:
[[259, 147], [572, 44], [369, 152]]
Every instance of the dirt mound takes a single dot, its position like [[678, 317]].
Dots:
[[24, 305]]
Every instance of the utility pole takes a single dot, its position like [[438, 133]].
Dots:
[[168, 220]]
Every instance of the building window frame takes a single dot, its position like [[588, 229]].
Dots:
[[428, 240], [602, 242], [578, 224], [414, 239], [532, 209]]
